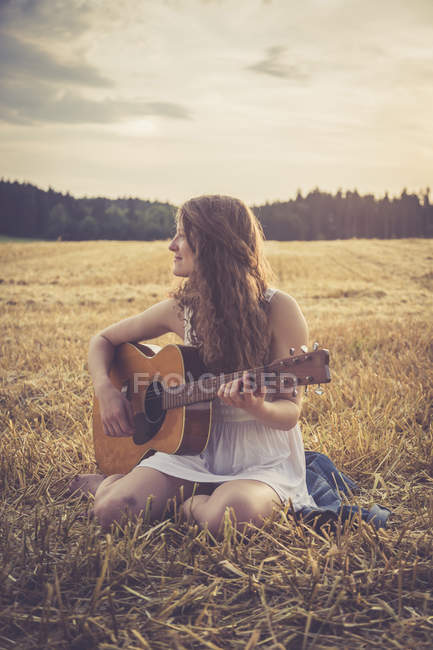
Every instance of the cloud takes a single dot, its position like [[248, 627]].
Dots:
[[20, 58], [46, 18], [272, 65], [30, 104], [40, 86]]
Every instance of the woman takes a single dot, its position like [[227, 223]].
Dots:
[[255, 456]]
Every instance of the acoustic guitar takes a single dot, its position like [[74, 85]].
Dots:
[[171, 395]]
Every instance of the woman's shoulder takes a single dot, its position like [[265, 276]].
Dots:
[[284, 311], [287, 324], [280, 299]]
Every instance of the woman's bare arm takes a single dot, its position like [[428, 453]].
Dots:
[[289, 330], [116, 412]]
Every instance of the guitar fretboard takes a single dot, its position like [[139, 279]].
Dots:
[[202, 390], [281, 375]]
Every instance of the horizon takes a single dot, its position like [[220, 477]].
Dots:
[[256, 99], [420, 194]]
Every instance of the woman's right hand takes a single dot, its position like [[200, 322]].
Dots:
[[116, 412]]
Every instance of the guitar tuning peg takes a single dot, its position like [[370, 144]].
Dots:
[[304, 349], [292, 351], [315, 346], [319, 390], [294, 392]]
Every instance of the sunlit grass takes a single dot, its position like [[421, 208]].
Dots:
[[67, 585]]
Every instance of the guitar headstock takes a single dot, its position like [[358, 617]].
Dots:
[[302, 370]]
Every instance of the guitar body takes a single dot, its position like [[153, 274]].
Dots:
[[138, 370]]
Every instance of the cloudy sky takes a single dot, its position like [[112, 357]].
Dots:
[[167, 99]]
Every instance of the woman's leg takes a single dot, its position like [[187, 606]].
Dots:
[[251, 501], [85, 484], [127, 495]]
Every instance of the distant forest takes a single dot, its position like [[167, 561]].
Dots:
[[27, 211]]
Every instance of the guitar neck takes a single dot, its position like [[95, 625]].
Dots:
[[204, 389], [281, 376]]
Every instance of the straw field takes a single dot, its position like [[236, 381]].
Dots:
[[66, 584]]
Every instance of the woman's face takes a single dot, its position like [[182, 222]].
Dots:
[[184, 257]]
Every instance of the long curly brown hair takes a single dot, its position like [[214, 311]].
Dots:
[[225, 292]]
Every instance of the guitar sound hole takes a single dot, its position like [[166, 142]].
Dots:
[[153, 402], [148, 423]]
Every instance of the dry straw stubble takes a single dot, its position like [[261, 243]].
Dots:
[[67, 585]]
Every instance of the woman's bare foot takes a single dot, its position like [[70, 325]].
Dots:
[[85, 484]]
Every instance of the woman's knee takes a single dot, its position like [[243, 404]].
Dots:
[[143, 490], [112, 508], [242, 504]]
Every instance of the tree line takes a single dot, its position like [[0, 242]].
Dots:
[[28, 211]]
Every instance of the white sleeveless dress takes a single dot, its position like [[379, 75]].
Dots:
[[240, 447]]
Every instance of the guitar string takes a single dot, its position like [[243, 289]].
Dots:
[[186, 387], [190, 387]]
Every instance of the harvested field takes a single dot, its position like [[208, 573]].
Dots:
[[65, 584]]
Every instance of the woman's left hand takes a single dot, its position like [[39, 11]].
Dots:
[[244, 394]]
